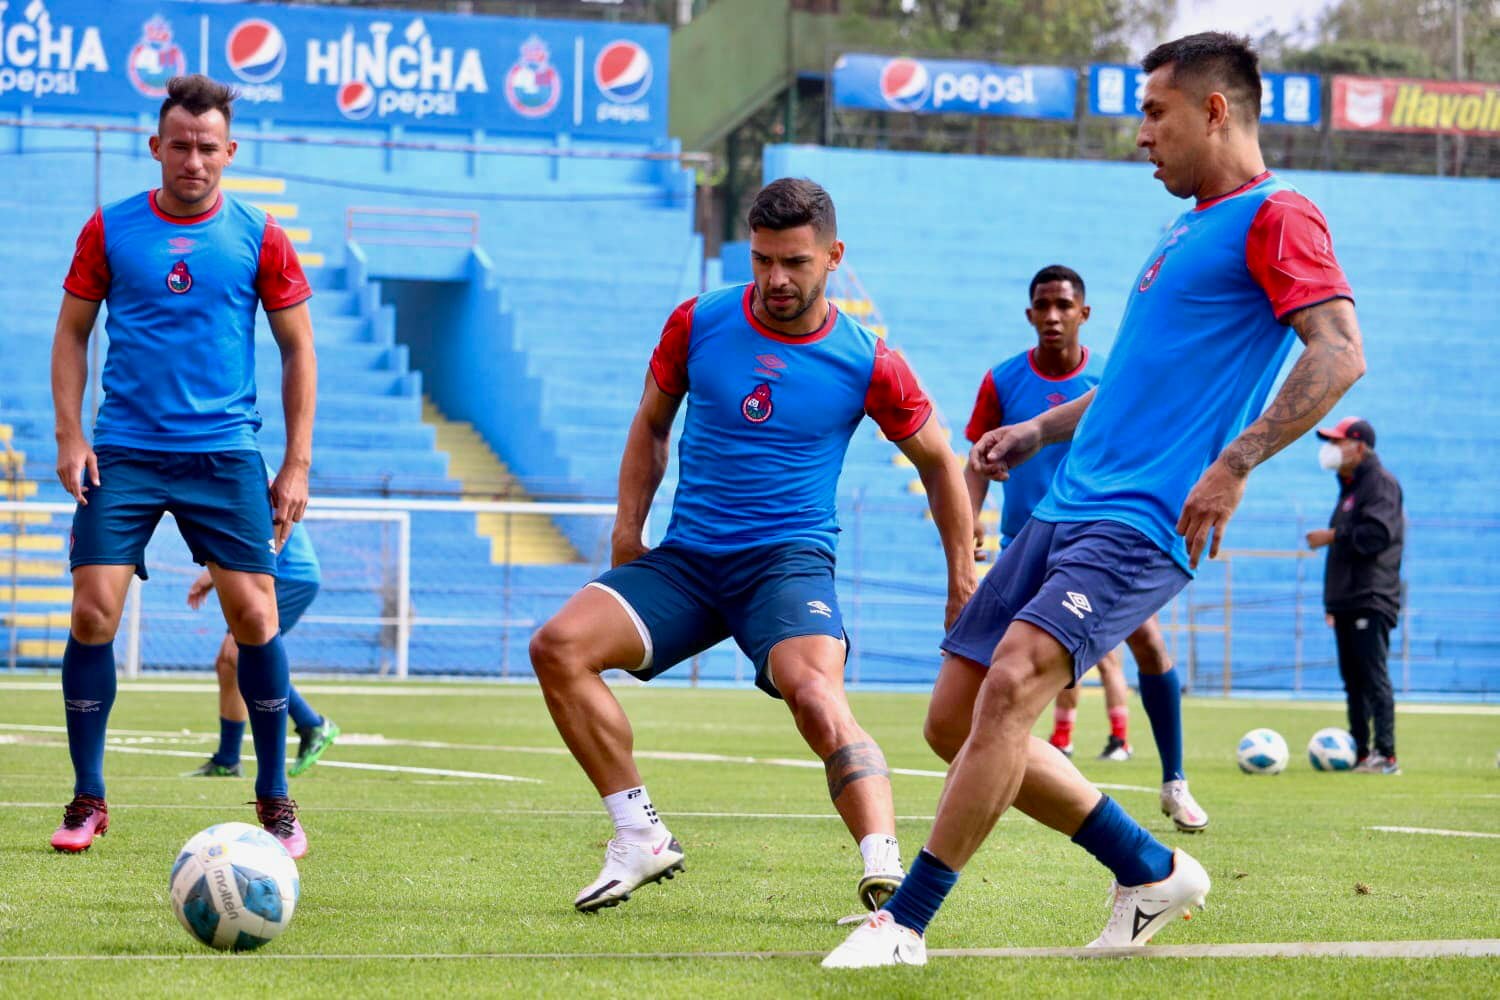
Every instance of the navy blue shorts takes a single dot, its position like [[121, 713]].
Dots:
[[292, 600], [684, 601], [219, 499], [1089, 585]]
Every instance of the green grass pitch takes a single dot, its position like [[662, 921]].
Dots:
[[406, 864]]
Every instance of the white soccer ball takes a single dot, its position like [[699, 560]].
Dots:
[[234, 887], [1262, 751], [1332, 749]]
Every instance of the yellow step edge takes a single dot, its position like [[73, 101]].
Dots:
[[26, 517], [37, 619], [281, 209], [32, 567], [6, 432], [297, 234], [12, 459], [30, 543], [310, 259], [915, 488], [38, 595], [254, 185], [23, 490], [42, 649]]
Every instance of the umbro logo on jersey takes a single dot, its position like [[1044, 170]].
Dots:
[[181, 244], [757, 406], [81, 705], [179, 279], [270, 704], [819, 608], [1078, 604], [769, 366]]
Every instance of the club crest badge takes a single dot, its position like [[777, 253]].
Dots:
[[179, 279], [1152, 272], [757, 406]]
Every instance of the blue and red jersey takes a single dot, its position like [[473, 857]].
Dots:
[[1202, 339], [1016, 390], [179, 374], [769, 418]]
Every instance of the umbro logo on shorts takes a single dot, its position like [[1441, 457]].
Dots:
[[819, 608], [1078, 604], [270, 704], [81, 705]]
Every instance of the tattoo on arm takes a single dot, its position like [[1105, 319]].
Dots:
[[853, 762], [1331, 362]]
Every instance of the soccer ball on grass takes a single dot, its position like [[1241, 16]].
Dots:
[[1332, 749], [1262, 751], [234, 887]]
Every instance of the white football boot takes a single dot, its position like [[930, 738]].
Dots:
[[1142, 910], [628, 865], [1178, 803], [876, 942], [883, 872]]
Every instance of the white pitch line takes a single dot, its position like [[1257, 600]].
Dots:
[[526, 687], [1435, 832], [1473, 948], [465, 809], [348, 764], [680, 756]]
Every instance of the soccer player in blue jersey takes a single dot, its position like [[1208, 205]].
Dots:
[[1161, 451], [298, 578], [182, 269], [776, 380], [1059, 370]]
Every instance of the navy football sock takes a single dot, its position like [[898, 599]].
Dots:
[[303, 716], [1161, 695], [88, 686], [265, 679], [1123, 846], [928, 882], [231, 736]]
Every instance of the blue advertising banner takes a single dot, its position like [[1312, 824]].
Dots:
[[1286, 98], [946, 86], [339, 65]]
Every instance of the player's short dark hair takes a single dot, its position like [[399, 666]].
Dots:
[[1216, 60], [1056, 272], [198, 94], [791, 202]]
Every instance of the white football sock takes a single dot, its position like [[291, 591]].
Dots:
[[881, 853], [634, 815]]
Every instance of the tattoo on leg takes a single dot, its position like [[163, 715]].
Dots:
[[853, 762]]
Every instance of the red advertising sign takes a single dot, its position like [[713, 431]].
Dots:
[[1383, 104]]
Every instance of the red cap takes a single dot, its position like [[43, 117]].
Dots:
[[1349, 429]]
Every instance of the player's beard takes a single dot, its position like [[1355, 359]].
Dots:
[[803, 303]]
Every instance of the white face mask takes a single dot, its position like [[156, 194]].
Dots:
[[1330, 456]]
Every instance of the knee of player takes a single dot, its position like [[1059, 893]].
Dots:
[[254, 625], [1014, 682], [944, 736], [93, 621], [226, 665], [556, 648]]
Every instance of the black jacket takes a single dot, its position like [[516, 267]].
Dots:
[[1369, 528]]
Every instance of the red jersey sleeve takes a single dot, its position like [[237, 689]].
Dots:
[[1290, 253], [669, 360], [895, 400], [987, 413], [279, 280], [88, 277]]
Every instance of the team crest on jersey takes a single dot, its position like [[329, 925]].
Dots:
[[1055, 399], [1152, 272], [179, 279], [757, 406]]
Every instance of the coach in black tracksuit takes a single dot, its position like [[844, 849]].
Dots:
[[1362, 583]]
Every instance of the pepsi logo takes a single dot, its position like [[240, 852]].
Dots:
[[622, 72], [905, 84], [255, 50], [356, 99]]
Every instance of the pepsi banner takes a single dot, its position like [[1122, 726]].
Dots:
[[340, 66], [1285, 98], [947, 86]]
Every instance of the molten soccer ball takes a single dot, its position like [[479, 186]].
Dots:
[[234, 887], [1262, 751], [1332, 749]]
